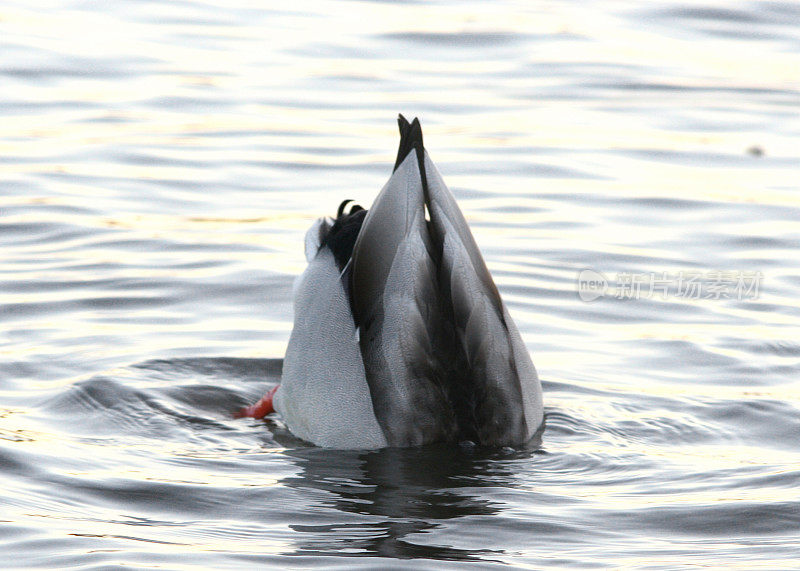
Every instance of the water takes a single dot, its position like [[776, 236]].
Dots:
[[160, 162]]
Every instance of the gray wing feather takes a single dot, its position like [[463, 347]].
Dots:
[[395, 304], [442, 357], [509, 409], [324, 397]]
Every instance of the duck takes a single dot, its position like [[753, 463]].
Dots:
[[400, 336]]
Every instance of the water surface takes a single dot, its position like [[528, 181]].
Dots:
[[161, 161]]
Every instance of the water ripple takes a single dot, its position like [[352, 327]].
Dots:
[[161, 163]]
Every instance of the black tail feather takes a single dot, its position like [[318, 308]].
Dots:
[[411, 139]]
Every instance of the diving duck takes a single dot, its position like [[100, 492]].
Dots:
[[400, 336]]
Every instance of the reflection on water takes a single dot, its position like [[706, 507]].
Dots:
[[160, 163], [407, 493]]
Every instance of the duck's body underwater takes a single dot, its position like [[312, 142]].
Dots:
[[400, 336]]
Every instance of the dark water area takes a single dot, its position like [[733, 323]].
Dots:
[[630, 171]]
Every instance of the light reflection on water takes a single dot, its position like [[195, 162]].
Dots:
[[160, 163]]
